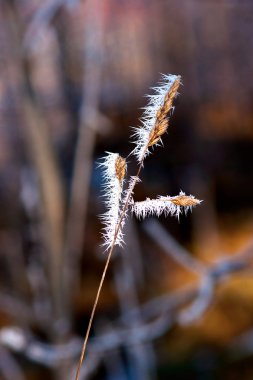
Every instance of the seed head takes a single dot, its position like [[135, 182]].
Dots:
[[155, 119], [185, 200], [172, 206], [120, 168], [162, 120], [114, 169]]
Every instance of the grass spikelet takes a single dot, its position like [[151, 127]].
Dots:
[[167, 205], [114, 169], [120, 168], [162, 120], [155, 119], [154, 123], [185, 200]]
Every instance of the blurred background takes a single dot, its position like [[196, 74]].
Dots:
[[178, 299]]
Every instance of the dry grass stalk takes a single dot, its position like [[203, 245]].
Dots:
[[173, 206], [154, 122], [154, 125]]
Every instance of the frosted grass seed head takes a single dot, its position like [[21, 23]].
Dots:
[[114, 169], [166, 205], [154, 123], [155, 119]]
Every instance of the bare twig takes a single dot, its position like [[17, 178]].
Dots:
[[155, 230]]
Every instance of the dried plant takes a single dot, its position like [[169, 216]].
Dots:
[[114, 173], [154, 123], [155, 119], [165, 205]]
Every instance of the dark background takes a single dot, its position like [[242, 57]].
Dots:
[[73, 75]]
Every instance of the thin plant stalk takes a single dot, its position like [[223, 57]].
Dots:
[[154, 125], [106, 267]]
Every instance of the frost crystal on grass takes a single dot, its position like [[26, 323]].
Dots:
[[114, 168], [167, 205], [154, 121]]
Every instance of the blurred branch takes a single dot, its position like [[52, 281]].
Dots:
[[218, 272], [9, 367], [126, 284], [52, 355], [25, 343], [113, 361], [200, 305], [41, 20], [92, 363], [36, 132], [89, 122], [38, 142], [162, 237], [157, 316]]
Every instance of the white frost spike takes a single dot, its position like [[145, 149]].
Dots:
[[141, 135], [157, 207], [167, 205], [112, 194]]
